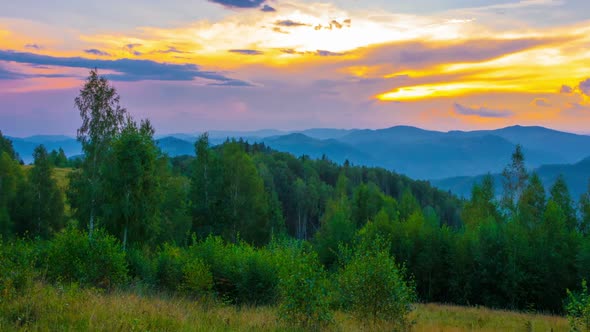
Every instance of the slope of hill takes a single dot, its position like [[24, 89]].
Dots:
[[577, 177], [175, 147], [25, 146], [568, 147], [415, 152], [299, 144]]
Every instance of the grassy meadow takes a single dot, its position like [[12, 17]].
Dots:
[[44, 307]]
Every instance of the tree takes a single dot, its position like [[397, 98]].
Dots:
[[132, 185], [372, 286], [206, 188], [585, 211], [58, 158], [482, 205], [46, 198], [102, 119], [244, 199], [11, 183], [561, 196], [336, 229], [515, 176], [6, 146], [531, 204]]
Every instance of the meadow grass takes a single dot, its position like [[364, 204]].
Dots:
[[51, 308]]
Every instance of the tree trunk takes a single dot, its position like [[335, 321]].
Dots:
[[125, 238]]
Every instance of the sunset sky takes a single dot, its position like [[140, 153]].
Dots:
[[191, 66]]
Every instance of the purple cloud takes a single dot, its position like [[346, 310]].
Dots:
[[290, 23], [95, 51], [541, 102], [268, 9], [239, 3], [246, 52], [566, 89], [34, 46], [482, 111], [130, 70], [585, 87]]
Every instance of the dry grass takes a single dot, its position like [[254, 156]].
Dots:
[[48, 308]]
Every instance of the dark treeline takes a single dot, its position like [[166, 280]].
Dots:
[[520, 251]]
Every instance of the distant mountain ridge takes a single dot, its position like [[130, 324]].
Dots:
[[417, 153], [577, 177]]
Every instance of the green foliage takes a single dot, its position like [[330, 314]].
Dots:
[[58, 158], [17, 267], [303, 289], [197, 279], [47, 213], [102, 119], [336, 229], [372, 286], [242, 274], [169, 263], [577, 309], [98, 261], [131, 207]]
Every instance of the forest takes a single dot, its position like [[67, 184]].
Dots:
[[242, 224]]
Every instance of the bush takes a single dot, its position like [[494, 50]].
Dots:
[[372, 286], [73, 257], [303, 290], [197, 278], [242, 274], [141, 267], [578, 309], [17, 267], [168, 267]]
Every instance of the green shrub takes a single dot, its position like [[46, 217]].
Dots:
[[197, 278], [141, 267], [577, 309], [303, 290], [169, 264], [372, 286], [73, 257], [17, 267], [242, 274]]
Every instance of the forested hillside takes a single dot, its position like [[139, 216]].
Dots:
[[245, 224]]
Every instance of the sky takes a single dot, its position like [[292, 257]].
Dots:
[[192, 66]]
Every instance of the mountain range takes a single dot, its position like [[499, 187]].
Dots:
[[451, 160]]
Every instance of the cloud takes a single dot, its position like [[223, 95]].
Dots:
[[267, 9], [9, 75], [482, 111], [246, 52], [289, 23], [585, 87], [126, 69], [33, 46], [131, 49], [327, 53], [566, 89], [95, 51], [416, 53], [318, 52], [541, 102], [171, 49], [239, 3]]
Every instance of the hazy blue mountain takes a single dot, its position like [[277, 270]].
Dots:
[[326, 133], [300, 144], [577, 177], [175, 147], [25, 146], [415, 152], [570, 148]]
